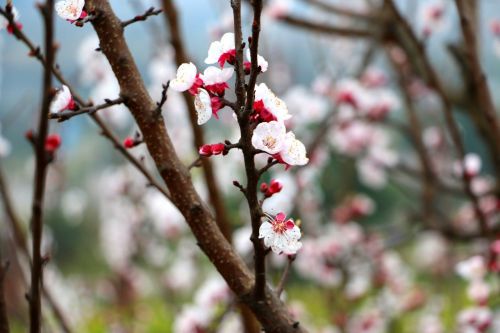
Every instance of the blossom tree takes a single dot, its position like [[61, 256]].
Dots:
[[276, 155]]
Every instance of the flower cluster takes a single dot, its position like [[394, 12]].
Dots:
[[477, 318]]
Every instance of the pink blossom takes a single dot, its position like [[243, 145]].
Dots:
[[269, 137], [222, 51], [281, 235], [215, 79], [63, 100]]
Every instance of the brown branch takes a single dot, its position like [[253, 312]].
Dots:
[[284, 277], [4, 320], [238, 66], [415, 131], [15, 225], [328, 29], [271, 312], [433, 81], [105, 130], [41, 164], [150, 12], [487, 118], [66, 115], [338, 10], [215, 195]]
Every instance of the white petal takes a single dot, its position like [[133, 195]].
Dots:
[[214, 53], [227, 42], [203, 106], [294, 233], [61, 100], [185, 77], [265, 229], [70, 9], [269, 137], [294, 151]]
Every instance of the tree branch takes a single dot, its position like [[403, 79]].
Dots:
[[66, 115], [41, 164], [215, 195], [150, 12], [271, 312]]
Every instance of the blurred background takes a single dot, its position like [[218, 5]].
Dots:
[[122, 258]]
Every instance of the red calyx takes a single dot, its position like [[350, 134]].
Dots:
[[216, 103], [273, 188], [217, 89], [198, 83], [52, 142], [228, 57], [263, 187]]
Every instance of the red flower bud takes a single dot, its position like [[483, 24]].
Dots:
[[263, 187], [275, 186], [218, 148], [128, 142], [52, 142], [205, 150]]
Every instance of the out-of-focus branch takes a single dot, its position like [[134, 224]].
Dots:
[[15, 225], [4, 320], [284, 277], [479, 89], [215, 195], [41, 166], [415, 131], [433, 81], [339, 10], [328, 29], [143, 17], [271, 312]]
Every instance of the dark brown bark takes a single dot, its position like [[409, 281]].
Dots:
[[4, 320], [42, 161], [271, 312]]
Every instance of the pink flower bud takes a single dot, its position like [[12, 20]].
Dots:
[[275, 186], [128, 142], [205, 150], [218, 148], [52, 142]]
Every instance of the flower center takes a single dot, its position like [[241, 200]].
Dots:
[[269, 142]]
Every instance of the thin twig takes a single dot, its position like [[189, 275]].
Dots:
[[329, 29], [66, 115], [284, 277], [163, 100], [150, 12]]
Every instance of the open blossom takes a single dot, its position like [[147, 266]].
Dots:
[[281, 235], [472, 269], [269, 137], [70, 10], [62, 101], [222, 51], [203, 106], [186, 79], [269, 107], [293, 151], [215, 79], [261, 62], [471, 166]]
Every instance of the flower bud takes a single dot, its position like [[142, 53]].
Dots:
[[205, 150], [52, 142], [128, 142]]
